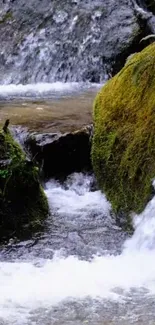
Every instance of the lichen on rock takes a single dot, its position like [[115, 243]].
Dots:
[[23, 204], [123, 151]]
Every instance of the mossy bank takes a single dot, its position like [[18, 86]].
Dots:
[[23, 204], [123, 151]]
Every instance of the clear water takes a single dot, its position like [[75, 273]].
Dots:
[[48, 107]]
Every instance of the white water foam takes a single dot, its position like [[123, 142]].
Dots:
[[76, 198], [43, 90], [26, 286]]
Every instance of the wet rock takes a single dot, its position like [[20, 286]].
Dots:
[[61, 154], [46, 41], [147, 4]]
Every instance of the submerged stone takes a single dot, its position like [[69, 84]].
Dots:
[[23, 204], [123, 151]]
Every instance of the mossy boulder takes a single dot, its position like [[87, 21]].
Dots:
[[23, 204], [123, 151]]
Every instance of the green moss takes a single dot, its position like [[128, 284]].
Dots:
[[9, 148], [23, 204], [123, 151]]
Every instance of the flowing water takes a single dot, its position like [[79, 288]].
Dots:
[[83, 269], [64, 40]]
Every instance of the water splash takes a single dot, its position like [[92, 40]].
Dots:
[[76, 197]]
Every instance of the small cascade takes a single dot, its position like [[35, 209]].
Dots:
[[42, 284], [70, 41], [83, 268]]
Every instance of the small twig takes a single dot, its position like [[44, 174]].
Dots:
[[6, 124]]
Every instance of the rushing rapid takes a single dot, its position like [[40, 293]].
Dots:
[[74, 262]]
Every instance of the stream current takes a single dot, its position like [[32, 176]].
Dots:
[[83, 269]]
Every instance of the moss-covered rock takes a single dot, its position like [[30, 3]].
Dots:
[[123, 151], [23, 204]]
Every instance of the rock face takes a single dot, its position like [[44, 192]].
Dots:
[[66, 40], [123, 152], [61, 154], [23, 205]]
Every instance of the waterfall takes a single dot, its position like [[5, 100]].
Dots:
[[74, 41]]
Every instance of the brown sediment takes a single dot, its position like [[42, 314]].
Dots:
[[64, 115]]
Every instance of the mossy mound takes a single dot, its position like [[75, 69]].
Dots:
[[123, 151], [23, 204]]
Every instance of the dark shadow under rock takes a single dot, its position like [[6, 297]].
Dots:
[[61, 154]]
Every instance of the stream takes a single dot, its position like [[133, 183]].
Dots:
[[83, 269]]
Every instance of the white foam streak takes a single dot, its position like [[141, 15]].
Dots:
[[40, 90]]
